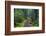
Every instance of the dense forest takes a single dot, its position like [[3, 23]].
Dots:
[[26, 17]]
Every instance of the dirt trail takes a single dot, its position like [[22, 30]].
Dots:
[[27, 24]]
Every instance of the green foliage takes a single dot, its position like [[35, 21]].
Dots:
[[19, 25], [20, 15]]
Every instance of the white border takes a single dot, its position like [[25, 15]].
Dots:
[[26, 28]]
